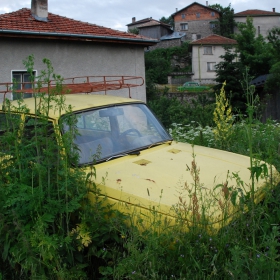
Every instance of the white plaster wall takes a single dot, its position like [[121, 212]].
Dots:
[[70, 58], [265, 23], [199, 62]]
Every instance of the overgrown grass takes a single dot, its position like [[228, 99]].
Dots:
[[49, 230]]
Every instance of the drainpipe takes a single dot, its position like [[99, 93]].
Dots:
[[199, 69]]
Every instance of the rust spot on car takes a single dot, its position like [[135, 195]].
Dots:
[[174, 151], [142, 162], [119, 181]]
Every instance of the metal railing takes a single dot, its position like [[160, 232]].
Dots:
[[84, 84]]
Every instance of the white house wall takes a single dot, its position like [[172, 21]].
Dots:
[[262, 24], [199, 63], [71, 59]]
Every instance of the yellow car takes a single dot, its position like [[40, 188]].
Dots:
[[143, 171]]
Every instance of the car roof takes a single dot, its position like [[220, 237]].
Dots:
[[78, 102]]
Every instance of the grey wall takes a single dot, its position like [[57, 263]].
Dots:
[[263, 24], [70, 58], [199, 27]]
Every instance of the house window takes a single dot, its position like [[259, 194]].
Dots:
[[211, 66], [259, 30], [18, 78], [198, 15], [183, 15], [212, 25], [184, 26], [208, 50], [212, 14], [198, 36]]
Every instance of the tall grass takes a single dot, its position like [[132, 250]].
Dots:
[[49, 230]]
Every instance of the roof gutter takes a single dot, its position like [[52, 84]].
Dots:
[[55, 34]]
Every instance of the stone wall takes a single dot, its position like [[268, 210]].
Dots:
[[167, 44]]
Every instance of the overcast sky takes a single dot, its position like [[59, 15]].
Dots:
[[117, 14]]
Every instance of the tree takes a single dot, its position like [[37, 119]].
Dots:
[[158, 62], [169, 20], [254, 52], [226, 23], [274, 78], [134, 30], [274, 39], [230, 70]]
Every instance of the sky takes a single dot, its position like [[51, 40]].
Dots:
[[116, 14]]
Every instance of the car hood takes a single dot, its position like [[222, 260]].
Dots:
[[177, 178]]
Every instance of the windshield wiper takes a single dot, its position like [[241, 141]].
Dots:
[[137, 153], [159, 143]]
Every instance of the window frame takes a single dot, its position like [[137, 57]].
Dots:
[[212, 25], [184, 25], [211, 66], [208, 50], [23, 74]]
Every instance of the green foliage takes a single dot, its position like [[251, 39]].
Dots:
[[134, 30], [168, 20], [223, 118], [48, 227], [225, 24], [231, 70], [255, 52], [50, 230], [158, 62], [274, 39], [272, 82], [171, 110]]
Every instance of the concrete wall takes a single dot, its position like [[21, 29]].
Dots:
[[262, 24], [70, 58], [199, 62], [155, 32]]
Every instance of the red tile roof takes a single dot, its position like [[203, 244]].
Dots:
[[215, 40], [256, 13], [22, 23]]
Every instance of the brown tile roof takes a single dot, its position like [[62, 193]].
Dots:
[[256, 13], [194, 3], [154, 22], [139, 21], [22, 24], [215, 40]]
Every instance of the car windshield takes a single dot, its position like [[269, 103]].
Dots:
[[105, 133]]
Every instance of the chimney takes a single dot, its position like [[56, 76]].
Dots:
[[273, 10], [176, 10], [39, 9], [207, 3], [133, 19]]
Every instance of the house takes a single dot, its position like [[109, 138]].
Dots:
[[136, 23], [154, 29], [263, 21], [75, 48], [196, 20], [150, 28], [206, 54]]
